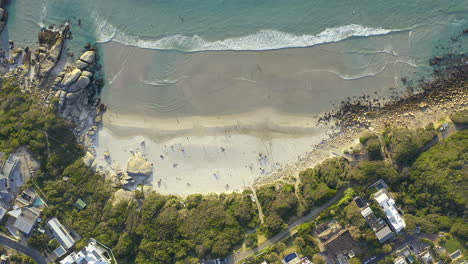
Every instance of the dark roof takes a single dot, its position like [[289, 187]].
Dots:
[[341, 244], [371, 219], [359, 202]]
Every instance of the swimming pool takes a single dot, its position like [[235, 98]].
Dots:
[[38, 202]]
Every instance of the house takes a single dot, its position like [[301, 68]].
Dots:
[[325, 232], [384, 234], [400, 260], [63, 236], [388, 205], [10, 166], [341, 247], [426, 257], [380, 228], [26, 218], [2, 212], [359, 202], [3, 182], [304, 261], [93, 253], [26, 198], [456, 255], [5, 197], [80, 205], [406, 253], [294, 258]]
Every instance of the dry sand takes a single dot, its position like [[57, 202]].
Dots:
[[217, 155]]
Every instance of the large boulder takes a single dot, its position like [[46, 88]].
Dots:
[[83, 81], [88, 56], [88, 159], [71, 77], [81, 64], [139, 166], [72, 97], [74, 88], [87, 74], [53, 42]]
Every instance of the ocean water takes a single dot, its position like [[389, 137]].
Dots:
[[372, 35], [184, 70]]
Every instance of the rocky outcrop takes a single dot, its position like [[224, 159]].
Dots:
[[88, 159], [75, 84], [71, 89], [51, 43], [70, 77], [139, 166], [88, 57]]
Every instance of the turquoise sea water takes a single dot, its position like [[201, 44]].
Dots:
[[372, 36], [221, 24]]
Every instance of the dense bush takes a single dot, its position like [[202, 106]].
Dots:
[[405, 145], [320, 183], [460, 118], [278, 206]]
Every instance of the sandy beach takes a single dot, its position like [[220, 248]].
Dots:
[[218, 154]]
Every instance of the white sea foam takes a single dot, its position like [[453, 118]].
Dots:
[[160, 82], [43, 15], [105, 31], [263, 40]]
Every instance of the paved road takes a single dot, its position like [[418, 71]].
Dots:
[[22, 249], [236, 258]]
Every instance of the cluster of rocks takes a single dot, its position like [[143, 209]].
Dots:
[[448, 86], [69, 87], [138, 170], [71, 83], [120, 178], [51, 43]]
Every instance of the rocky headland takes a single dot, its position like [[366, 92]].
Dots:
[[71, 87]]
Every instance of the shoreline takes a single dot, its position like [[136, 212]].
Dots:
[[445, 94], [286, 144]]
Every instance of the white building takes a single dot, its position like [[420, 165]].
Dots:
[[26, 218], [390, 210], [400, 260], [62, 235], [93, 253]]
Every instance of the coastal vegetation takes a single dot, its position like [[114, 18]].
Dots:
[[154, 228], [429, 185]]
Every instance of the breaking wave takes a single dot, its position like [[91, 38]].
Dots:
[[262, 40]]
